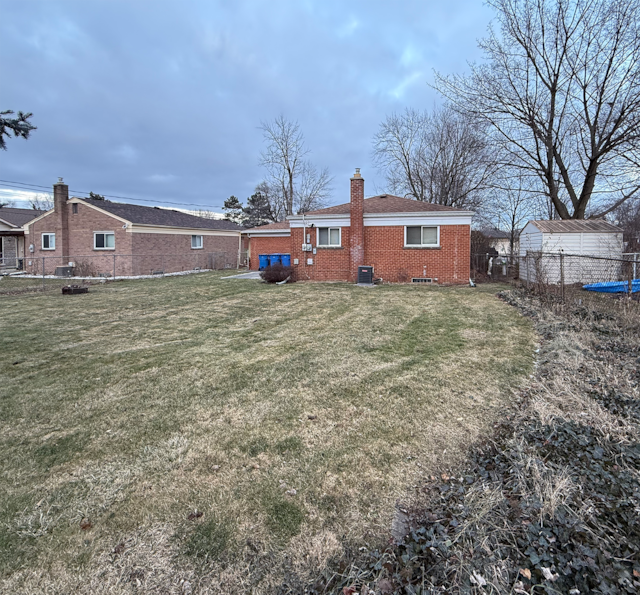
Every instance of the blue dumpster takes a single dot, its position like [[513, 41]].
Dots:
[[264, 261], [286, 260], [274, 259]]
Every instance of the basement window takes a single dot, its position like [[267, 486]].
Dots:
[[104, 240], [329, 237], [421, 237], [48, 241], [196, 242]]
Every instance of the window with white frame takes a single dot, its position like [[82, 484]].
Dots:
[[421, 236], [48, 241], [104, 240], [196, 242], [329, 236]]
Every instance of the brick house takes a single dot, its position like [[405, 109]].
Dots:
[[402, 239], [12, 223], [101, 237]]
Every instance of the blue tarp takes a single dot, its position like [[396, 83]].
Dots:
[[614, 286]]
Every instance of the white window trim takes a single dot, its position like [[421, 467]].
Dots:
[[319, 245], [48, 233], [95, 233], [201, 246], [437, 245]]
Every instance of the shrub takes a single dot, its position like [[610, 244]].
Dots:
[[276, 273], [85, 269]]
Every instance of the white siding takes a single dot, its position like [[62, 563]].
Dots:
[[530, 239], [576, 270]]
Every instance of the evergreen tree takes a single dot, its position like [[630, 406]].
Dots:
[[96, 196], [233, 210], [258, 210], [20, 126]]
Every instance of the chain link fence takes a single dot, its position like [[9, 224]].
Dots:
[[560, 279], [492, 267]]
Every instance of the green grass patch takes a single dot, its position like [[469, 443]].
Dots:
[[210, 539], [136, 403]]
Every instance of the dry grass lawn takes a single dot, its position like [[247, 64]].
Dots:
[[202, 435]]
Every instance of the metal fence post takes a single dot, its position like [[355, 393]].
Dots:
[[527, 259], [114, 267]]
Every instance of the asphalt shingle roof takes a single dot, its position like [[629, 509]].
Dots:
[[18, 217], [271, 226], [157, 216], [386, 203]]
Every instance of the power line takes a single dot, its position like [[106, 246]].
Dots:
[[36, 188]]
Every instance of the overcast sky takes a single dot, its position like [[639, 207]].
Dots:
[[162, 100]]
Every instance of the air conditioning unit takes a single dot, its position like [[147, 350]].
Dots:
[[307, 247], [365, 275]]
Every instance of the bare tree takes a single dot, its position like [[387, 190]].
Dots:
[[313, 189], [560, 88], [628, 218], [294, 184], [440, 157], [41, 202], [512, 202]]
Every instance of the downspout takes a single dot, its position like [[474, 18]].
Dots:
[[304, 241]]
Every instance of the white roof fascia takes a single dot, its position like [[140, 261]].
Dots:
[[7, 222], [328, 220], [168, 229], [423, 218], [274, 233]]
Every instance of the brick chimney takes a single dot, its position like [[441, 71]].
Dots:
[[356, 248], [61, 211]]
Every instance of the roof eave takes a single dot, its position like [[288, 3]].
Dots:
[[194, 229], [420, 214], [8, 223]]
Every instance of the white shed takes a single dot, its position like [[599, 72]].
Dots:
[[584, 244]]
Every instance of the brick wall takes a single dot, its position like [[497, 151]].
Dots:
[[357, 239], [385, 251], [81, 227], [135, 253], [9, 250], [329, 264], [173, 252], [260, 245]]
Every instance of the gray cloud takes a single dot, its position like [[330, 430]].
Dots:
[[162, 100]]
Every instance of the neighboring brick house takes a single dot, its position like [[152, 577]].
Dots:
[[402, 239], [100, 237], [12, 236]]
